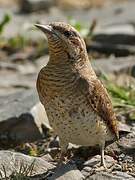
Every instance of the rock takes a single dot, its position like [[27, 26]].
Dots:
[[95, 161], [118, 39], [114, 65], [86, 171], [118, 29], [47, 158], [12, 162], [85, 4], [127, 161], [14, 81], [117, 175], [124, 127], [122, 175], [106, 48], [24, 69], [127, 144], [20, 75], [40, 116], [117, 167], [66, 172], [22, 117], [28, 6]]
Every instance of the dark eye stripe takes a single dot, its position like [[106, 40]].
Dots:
[[67, 33], [70, 33]]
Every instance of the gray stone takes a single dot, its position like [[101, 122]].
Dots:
[[66, 172], [122, 175], [116, 28], [114, 39], [19, 75], [117, 175], [127, 143], [114, 65], [12, 162], [16, 81], [86, 171], [27, 6], [117, 167], [22, 117], [124, 127], [95, 161], [108, 48], [124, 150]]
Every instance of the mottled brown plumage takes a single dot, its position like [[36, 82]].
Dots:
[[77, 104]]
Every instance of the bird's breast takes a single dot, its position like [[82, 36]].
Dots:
[[53, 82]]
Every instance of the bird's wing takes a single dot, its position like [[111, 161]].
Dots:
[[100, 102], [40, 86]]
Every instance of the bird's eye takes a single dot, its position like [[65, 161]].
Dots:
[[67, 33]]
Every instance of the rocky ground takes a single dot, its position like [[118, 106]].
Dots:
[[28, 148]]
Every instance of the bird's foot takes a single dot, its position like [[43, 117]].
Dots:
[[103, 167], [103, 164]]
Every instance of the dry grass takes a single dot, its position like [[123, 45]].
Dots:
[[24, 172]]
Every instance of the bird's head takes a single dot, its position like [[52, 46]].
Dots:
[[63, 38]]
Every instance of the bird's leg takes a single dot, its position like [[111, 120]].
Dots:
[[102, 155], [103, 164]]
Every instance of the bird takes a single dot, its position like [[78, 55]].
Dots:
[[77, 104]]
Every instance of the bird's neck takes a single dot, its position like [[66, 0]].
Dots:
[[58, 65], [58, 57], [62, 66], [56, 51], [60, 76]]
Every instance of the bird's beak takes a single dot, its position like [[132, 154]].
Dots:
[[47, 29]]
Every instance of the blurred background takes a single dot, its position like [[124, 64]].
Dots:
[[108, 28]]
